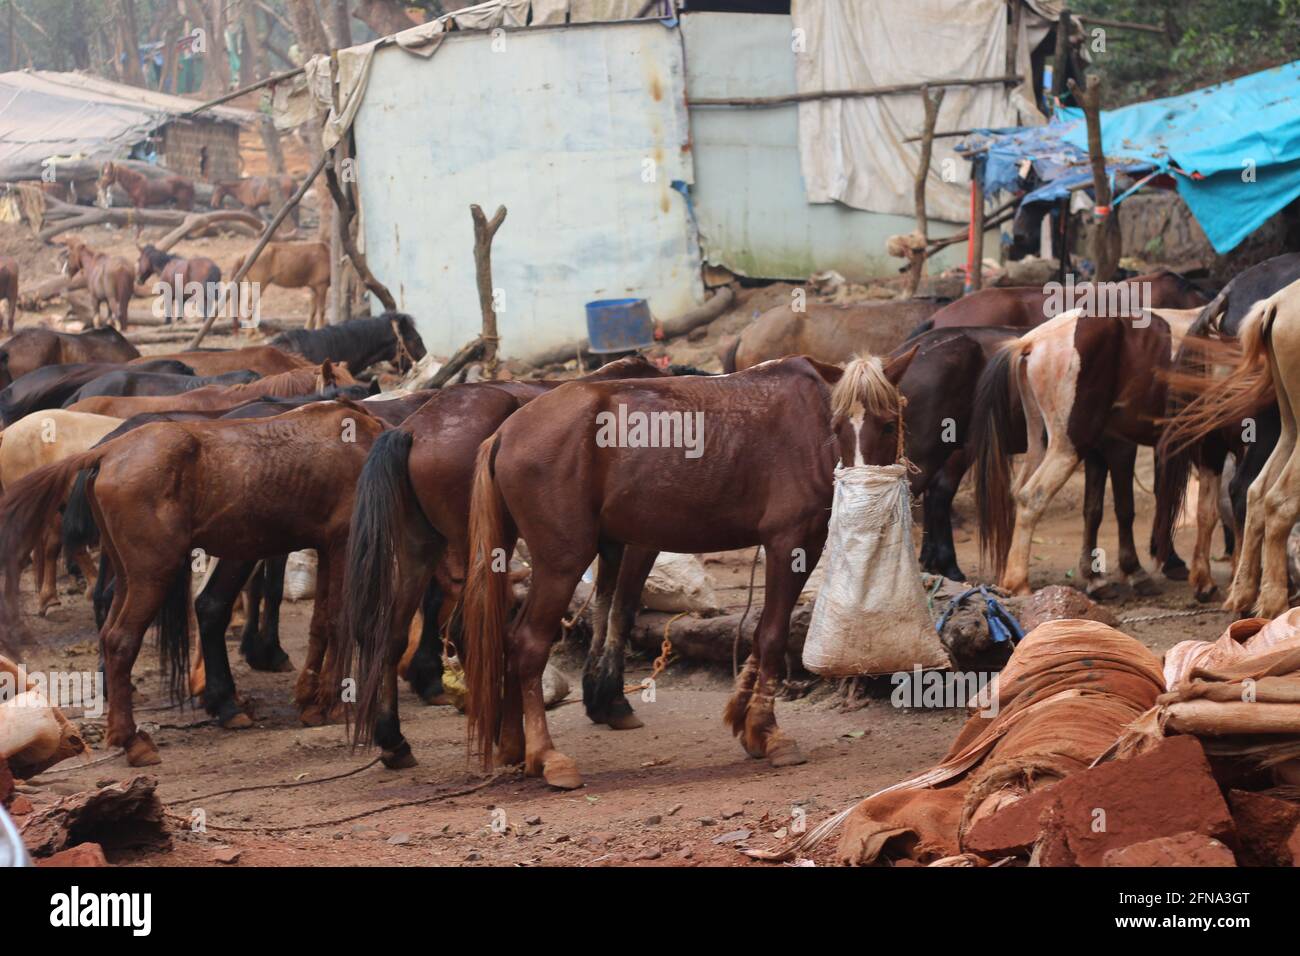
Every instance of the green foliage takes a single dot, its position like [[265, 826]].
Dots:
[[1205, 42]]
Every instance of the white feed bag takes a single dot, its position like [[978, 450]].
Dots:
[[870, 616], [679, 582], [300, 576]]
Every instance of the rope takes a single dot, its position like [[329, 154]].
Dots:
[[402, 350], [1163, 615], [278, 786], [353, 816], [661, 661]]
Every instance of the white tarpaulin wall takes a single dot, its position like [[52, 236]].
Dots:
[[852, 149]]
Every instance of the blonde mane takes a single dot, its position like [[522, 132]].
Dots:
[[864, 384]]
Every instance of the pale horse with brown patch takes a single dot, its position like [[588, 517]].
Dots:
[[34, 441], [1088, 385]]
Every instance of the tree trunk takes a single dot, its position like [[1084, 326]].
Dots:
[[383, 16], [131, 69], [1106, 239]]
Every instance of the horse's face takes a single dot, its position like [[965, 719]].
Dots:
[[411, 338], [868, 411], [107, 173], [143, 266]]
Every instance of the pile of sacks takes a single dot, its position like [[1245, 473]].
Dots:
[[1087, 760]]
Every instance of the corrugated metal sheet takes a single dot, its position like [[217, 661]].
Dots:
[[558, 125], [749, 192]]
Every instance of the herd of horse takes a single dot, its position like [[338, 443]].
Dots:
[[219, 463]]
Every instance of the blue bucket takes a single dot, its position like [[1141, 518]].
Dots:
[[619, 325]]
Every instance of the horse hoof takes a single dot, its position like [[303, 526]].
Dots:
[[1176, 572], [561, 772], [312, 716], [237, 722], [628, 721], [399, 759], [1205, 596], [284, 666], [1144, 586], [438, 700], [141, 752], [782, 751], [47, 608]]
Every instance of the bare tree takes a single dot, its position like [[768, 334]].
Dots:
[[126, 25], [383, 16]]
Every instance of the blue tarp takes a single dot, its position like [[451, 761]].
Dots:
[[1233, 149]]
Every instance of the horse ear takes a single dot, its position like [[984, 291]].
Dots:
[[327, 372], [897, 367]]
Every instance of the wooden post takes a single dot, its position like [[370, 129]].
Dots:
[[975, 277], [917, 254], [1106, 240], [1062, 55], [484, 230], [251, 258], [346, 213], [1013, 37]]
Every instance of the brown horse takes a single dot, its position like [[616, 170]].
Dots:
[[561, 474], [1087, 383], [108, 280], [294, 265], [828, 333], [254, 192], [181, 281], [145, 191], [302, 381], [31, 349], [262, 359], [1024, 307], [9, 290], [237, 490]]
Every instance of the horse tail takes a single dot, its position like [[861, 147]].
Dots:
[[485, 604], [29, 506], [919, 329], [173, 626], [80, 533], [1243, 393], [729, 356], [385, 505], [992, 422]]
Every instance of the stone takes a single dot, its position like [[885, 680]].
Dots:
[[1057, 602], [1264, 825], [1011, 830], [81, 855], [227, 855], [1183, 849], [653, 820], [1165, 792]]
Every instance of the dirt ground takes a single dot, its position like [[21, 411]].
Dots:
[[679, 791]]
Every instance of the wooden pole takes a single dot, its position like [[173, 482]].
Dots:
[[918, 189], [1013, 37], [1106, 237], [975, 277], [484, 231], [251, 258], [346, 213], [1062, 56], [848, 94]]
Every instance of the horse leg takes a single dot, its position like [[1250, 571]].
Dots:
[[1282, 499], [323, 651], [424, 671], [529, 644], [212, 608], [1207, 510], [761, 737], [636, 567], [1121, 461], [1032, 498], [938, 509], [611, 559], [1092, 572], [1246, 577], [260, 642]]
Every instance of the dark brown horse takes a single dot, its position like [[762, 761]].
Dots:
[[9, 290], [237, 490], [254, 192], [301, 381], [412, 523], [181, 281], [262, 359], [145, 191], [390, 337], [108, 280], [35, 348], [51, 385], [561, 474], [1024, 307]]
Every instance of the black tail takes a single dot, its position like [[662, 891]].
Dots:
[[173, 626], [920, 329], [992, 424], [385, 512], [80, 533]]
